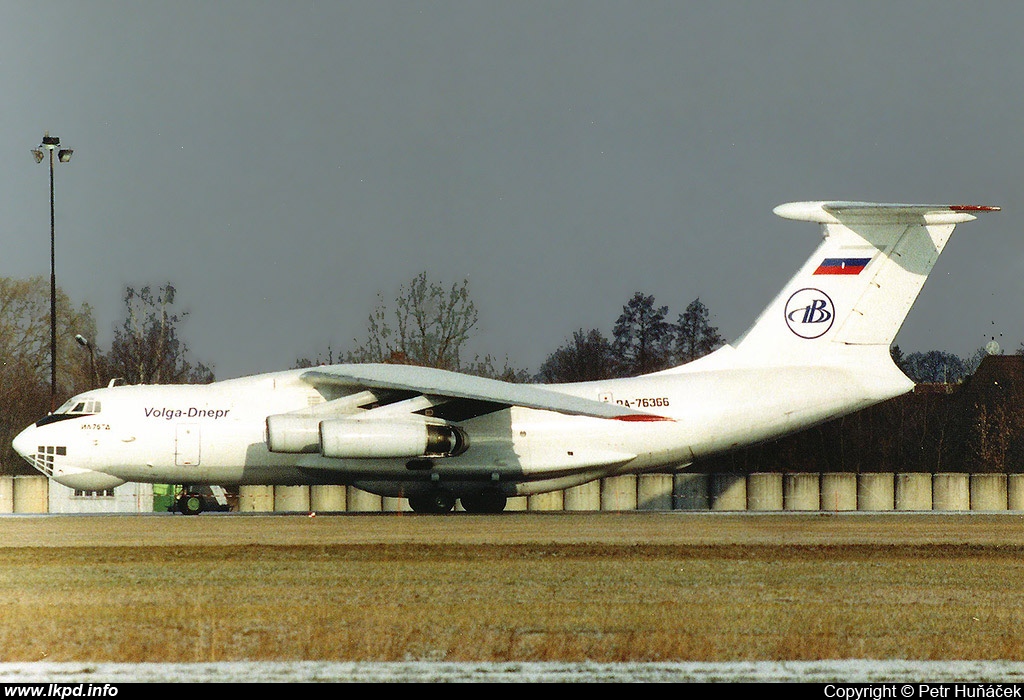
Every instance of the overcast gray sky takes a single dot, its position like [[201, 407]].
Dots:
[[283, 162]]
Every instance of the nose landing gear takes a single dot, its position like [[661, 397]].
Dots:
[[193, 500], [189, 504]]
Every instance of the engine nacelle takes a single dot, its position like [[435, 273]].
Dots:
[[293, 434], [374, 439]]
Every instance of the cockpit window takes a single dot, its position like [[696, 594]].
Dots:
[[66, 406], [75, 408], [80, 407]]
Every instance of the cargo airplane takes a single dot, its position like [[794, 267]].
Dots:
[[818, 351]]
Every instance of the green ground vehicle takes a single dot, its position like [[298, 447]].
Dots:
[[189, 499]]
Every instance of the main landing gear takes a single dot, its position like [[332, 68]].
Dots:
[[440, 502], [432, 503], [484, 503]]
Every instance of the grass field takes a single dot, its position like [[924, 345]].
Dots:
[[512, 587]]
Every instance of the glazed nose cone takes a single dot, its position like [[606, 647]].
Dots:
[[25, 443]]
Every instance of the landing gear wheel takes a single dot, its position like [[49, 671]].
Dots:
[[433, 503], [484, 503], [190, 504]]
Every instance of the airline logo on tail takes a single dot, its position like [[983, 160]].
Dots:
[[842, 266], [810, 313]]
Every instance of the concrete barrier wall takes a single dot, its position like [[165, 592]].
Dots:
[[1015, 491], [876, 491], [360, 501], [552, 500], [328, 498], [988, 491], [291, 499], [838, 491], [392, 504], [518, 503], [728, 492], [914, 491], [764, 491], [951, 491], [255, 499], [6, 494], [619, 492], [801, 492], [31, 494], [583, 497], [690, 491], [654, 492]]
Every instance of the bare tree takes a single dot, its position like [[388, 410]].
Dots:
[[429, 326], [991, 435], [25, 357], [486, 366], [146, 348], [934, 366]]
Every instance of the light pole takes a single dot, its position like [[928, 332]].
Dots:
[[80, 339], [51, 144]]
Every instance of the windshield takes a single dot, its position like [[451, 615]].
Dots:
[[80, 406]]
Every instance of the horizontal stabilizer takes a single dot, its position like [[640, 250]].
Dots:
[[869, 212]]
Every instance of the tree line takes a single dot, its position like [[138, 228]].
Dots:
[[430, 324]]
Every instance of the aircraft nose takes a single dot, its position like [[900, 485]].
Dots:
[[25, 443]]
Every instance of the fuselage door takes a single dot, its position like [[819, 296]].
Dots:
[[186, 445]]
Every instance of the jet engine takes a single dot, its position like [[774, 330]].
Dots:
[[293, 434], [374, 439], [348, 438]]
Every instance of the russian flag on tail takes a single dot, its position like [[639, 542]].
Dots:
[[842, 266]]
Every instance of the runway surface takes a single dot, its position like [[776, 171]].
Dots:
[[551, 527]]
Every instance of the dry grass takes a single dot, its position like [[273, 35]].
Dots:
[[520, 587]]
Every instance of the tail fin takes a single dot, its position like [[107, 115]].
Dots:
[[858, 287]]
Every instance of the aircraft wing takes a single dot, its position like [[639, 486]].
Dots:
[[443, 383]]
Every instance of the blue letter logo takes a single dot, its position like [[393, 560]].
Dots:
[[810, 313]]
